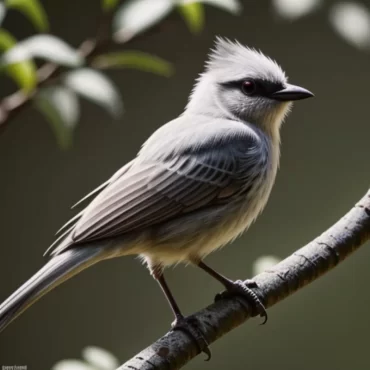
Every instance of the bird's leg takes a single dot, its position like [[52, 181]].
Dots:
[[169, 296], [239, 288], [185, 324]]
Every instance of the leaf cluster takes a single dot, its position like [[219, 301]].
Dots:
[[82, 74]]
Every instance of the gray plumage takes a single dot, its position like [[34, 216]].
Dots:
[[57, 270], [196, 184]]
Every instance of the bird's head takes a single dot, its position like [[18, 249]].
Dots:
[[244, 84]]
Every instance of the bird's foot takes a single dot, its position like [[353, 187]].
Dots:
[[190, 326], [245, 289]]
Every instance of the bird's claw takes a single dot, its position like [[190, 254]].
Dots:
[[190, 326], [244, 289]]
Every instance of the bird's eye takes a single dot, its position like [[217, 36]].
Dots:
[[248, 87]]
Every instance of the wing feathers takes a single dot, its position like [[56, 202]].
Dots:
[[154, 190], [69, 223], [99, 188], [151, 195], [118, 174]]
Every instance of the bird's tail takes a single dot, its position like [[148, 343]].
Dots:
[[59, 269]]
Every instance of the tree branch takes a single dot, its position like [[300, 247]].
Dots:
[[14, 103], [175, 349]]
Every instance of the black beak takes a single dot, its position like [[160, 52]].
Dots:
[[292, 92]]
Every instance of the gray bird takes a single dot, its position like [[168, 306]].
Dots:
[[196, 184]]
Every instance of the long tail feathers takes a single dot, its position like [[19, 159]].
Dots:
[[57, 270]]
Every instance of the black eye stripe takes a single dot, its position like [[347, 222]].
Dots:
[[263, 87]]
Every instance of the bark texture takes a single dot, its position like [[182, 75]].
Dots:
[[175, 349]]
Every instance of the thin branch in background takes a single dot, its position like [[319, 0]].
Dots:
[[176, 349], [14, 103], [49, 73], [71, 73]]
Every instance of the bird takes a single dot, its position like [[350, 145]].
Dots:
[[196, 184]]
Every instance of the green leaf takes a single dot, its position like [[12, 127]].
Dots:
[[95, 87], [135, 16], [2, 12], [23, 73], [61, 108], [33, 10], [193, 13], [232, 6], [135, 59], [46, 47], [109, 5]]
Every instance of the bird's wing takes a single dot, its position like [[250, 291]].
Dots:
[[156, 190], [119, 173], [73, 220]]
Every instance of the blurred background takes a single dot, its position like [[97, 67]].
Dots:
[[49, 161]]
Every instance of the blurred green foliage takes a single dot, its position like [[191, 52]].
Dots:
[[134, 59], [23, 73], [60, 104], [33, 10]]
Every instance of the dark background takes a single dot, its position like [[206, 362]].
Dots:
[[116, 304]]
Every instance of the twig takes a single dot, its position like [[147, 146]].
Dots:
[[175, 349], [48, 73], [14, 103]]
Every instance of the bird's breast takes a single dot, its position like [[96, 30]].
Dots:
[[195, 235]]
